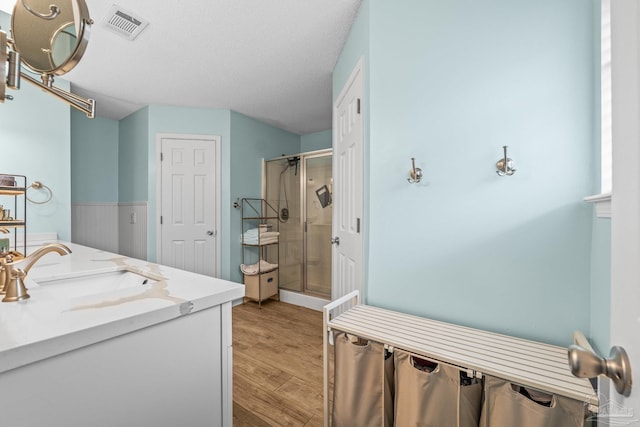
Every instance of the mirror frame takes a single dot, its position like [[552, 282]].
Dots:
[[10, 57], [83, 22], [4, 57]]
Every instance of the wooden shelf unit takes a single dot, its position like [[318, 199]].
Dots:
[[16, 195], [265, 284]]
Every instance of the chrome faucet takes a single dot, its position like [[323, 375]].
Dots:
[[16, 272]]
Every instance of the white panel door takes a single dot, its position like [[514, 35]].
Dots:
[[348, 187], [188, 205]]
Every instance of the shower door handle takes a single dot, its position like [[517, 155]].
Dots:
[[335, 241]]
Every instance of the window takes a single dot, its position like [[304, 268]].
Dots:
[[606, 154], [602, 201]]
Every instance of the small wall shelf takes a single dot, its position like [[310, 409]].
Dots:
[[13, 192]]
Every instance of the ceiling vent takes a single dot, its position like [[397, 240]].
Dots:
[[124, 23]]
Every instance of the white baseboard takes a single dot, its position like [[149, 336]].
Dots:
[[303, 300], [295, 298]]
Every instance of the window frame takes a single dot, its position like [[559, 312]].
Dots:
[[602, 201]]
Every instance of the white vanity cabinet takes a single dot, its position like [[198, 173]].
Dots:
[[171, 374], [158, 360]]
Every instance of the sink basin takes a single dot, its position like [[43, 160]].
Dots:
[[73, 287]]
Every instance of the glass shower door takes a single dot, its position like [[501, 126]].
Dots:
[[282, 191], [318, 215]]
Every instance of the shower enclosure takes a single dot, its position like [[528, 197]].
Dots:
[[300, 187]]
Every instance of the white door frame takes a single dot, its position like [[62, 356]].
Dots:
[[625, 199], [358, 71], [215, 140]]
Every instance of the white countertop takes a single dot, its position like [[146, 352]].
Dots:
[[48, 324]]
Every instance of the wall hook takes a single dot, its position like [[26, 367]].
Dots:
[[415, 174], [505, 164]]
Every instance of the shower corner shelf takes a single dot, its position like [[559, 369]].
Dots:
[[260, 250]]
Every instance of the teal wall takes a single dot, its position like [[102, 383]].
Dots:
[[35, 141], [94, 159], [316, 141], [356, 47], [133, 156], [252, 141], [136, 162], [449, 84]]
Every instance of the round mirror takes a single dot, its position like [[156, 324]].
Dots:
[[50, 37]]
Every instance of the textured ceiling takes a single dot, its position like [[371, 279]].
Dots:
[[267, 59]]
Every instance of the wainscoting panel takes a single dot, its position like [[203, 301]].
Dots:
[[95, 225], [132, 218]]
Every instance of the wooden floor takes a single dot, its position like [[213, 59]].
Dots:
[[277, 365]]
